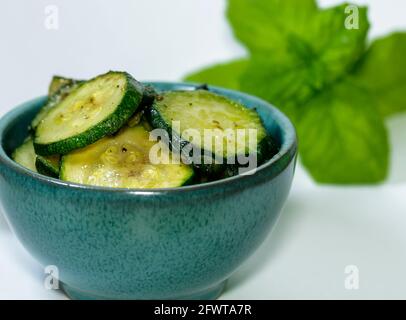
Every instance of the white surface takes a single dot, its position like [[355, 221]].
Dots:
[[322, 229]]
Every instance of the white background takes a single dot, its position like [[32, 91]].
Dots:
[[322, 229]]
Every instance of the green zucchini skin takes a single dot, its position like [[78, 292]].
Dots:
[[266, 149], [211, 171], [126, 108], [148, 97], [48, 166]]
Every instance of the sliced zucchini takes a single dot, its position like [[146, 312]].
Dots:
[[123, 161], [148, 96], [200, 110], [25, 155], [53, 100], [58, 82], [97, 108], [135, 120], [48, 165]]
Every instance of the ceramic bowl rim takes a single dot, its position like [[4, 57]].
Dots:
[[288, 148]]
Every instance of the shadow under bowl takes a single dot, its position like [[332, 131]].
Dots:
[[180, 243]]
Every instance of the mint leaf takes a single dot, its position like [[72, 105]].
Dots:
[[343, 138], [264, 25], [291, 75], [300, 29], [382, 72], [286, 84], [223, 75], [337, 47]]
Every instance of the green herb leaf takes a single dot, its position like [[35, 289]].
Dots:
[[343, 138], [291, 75], [336, 47], [382, 72], [298, 28], [308, 63], [265, 25], [287, 85], [223, 75]]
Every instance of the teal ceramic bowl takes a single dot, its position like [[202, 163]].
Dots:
[[180, 243]]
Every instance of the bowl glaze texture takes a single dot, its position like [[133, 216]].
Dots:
[[180, 243]]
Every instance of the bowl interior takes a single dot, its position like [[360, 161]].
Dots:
[[14, 125], [17, 129]]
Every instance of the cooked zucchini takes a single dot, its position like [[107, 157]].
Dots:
[[97, 108], [25, 155], [123, 161], [48, 165], [53, 100], [58, 82], [135, 120], [201, 110], [148, 97]]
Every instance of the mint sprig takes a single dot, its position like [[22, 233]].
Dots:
[[306, 62], [382, 71], [342, 137]]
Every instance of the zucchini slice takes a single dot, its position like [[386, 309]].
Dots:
[[148, 96], [123, 161], [58, 82], [25, 155], [53, 100], [97, 108], [228, 120], [49, 165]]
